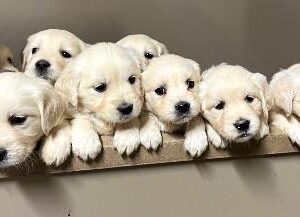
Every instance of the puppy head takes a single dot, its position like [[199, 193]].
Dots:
[[6, 60], [30, 108], [103, 80], [146, 48], [171, 85], [235, 102], [47, 53]]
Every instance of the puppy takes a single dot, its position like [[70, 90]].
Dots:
[[235, 103], [30, 108], [6, 60], [47, 53], [103, 85], [285, 113], [146, 48], [171, 85]]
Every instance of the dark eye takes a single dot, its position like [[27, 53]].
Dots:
[[9, 60], [131, 79], [65, 54], [249, 99], [17, 120], [148, 55], [100, 88], [190, 84], [161, 91], [220, 105], [34, 50]]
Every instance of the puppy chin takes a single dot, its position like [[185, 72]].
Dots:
[[51, 75], [14, 158]]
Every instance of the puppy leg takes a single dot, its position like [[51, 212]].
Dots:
[[195, 137], [56, 147], [127, 136], [215, 139], [150, 132], [85, 140]]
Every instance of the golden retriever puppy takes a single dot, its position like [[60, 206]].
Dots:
[[103, 86], [47, 53], [30, 108], [6, 60], [171, 85], [235, 103], [285, 113], [145, 47]]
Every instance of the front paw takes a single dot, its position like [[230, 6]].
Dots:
[[86, 145], [196, 144], [215, 139], [151, 139], [126, 141]]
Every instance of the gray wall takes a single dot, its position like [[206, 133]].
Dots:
[[262, 35]]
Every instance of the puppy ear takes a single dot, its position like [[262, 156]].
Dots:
[[24, 58], [51, 107], [67, 84], [136, 58], [162, 49]]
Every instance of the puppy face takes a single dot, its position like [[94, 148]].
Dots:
[[171, 85], [144, 46], [103, 80], [47, 53], [235, 102], [6, 60], [29, 109]]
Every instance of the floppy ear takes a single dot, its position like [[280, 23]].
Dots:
[[51, 107], [266, 100], [136, 58], [162, 49], [25, 55], [68, 83]]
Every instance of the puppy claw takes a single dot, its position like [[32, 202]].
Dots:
[[196, 145], [151, 139], [126, 141]]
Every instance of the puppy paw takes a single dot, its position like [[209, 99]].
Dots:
[[151, 139], [215, 139], [196, 144], [86, 145], [56, 147], [126, 141]]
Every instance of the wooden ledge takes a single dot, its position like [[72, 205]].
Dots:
[[172, 151]]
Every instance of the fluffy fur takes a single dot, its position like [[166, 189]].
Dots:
[[174, 74], [145, 47], [100, 82], [286, 107], [6, 60], [52, 46], [230, 96], [29, 109]]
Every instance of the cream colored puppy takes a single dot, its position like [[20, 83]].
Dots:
[[29, 109], [103, 85], [146, 48], [235, 103], [171, 85], [6, 60], [47, 53], [285, 86]]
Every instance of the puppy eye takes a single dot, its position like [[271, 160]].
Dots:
[[34, 50], [100, 88], [9, 60], [17, 120], [65, 54], [249, 99], [161, 91], [131, 79], [148, 55], [190, 84], [220, 105]]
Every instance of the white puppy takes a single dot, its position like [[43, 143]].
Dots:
[[285, 86], [145, 47], [103, 84], [29, 109], [171, 85], [6, 60], [47, 53], [235, 102]]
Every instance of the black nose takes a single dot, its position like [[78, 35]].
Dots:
[[182, 107], [242, 124], [3, 154], [42, 65], [125, 109]]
